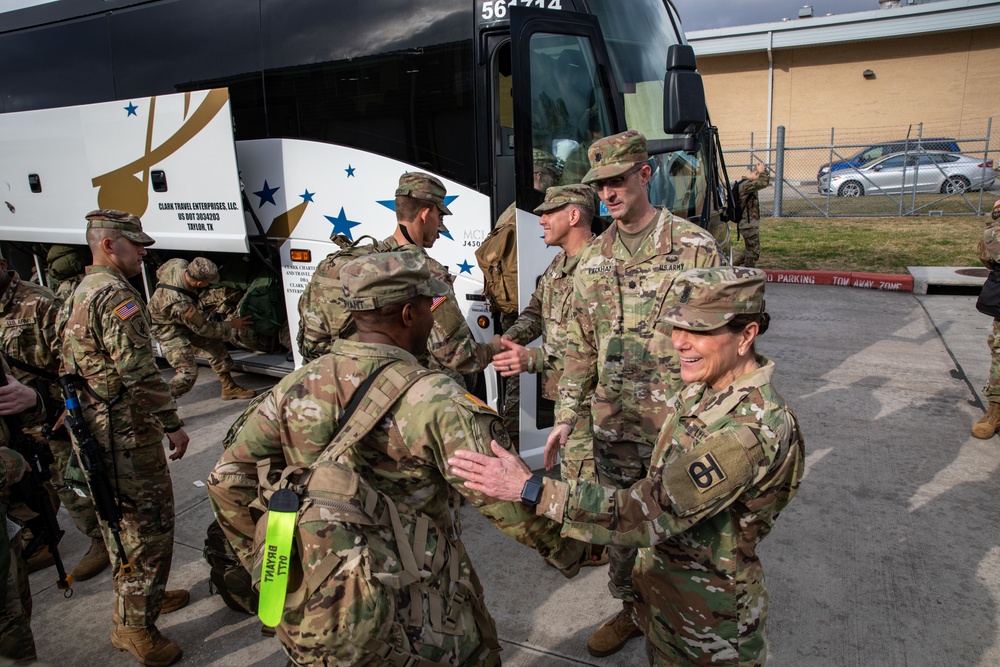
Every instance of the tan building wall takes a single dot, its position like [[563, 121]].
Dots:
[[950, 82]]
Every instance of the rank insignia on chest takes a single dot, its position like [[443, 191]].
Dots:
[[706, 473], [127, 310]]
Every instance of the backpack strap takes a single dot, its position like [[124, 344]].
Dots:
[[179, 290], [384, 387]]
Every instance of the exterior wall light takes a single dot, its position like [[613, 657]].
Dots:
[[868, 74]]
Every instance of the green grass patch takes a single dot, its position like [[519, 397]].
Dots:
[[881, 245]]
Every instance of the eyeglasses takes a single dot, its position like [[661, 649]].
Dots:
[[617, 181]]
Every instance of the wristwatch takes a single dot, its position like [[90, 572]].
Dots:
[[532, 491]]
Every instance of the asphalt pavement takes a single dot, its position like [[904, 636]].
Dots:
[[888, 556]]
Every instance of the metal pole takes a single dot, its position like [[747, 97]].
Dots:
[[779, 172], [986, 157], [829, 194], [916, 167]]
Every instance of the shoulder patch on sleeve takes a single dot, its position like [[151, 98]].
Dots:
[[478, 402], [127, 310], [437, 302], [190, 312], [721, 464], [499, 433]]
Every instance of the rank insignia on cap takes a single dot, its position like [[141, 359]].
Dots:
[[438, 300], [127, 310], [706, 473], [598, 157]]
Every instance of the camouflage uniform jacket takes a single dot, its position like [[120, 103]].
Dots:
[[725, 464], [12, 463], [105, 334], [64, 290], [29, 330], [176, 314], [989, 248], [614, 346], [405, 457], [451, 342], [548, 315], [748, 191]]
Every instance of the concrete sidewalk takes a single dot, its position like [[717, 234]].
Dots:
[[890, 554]]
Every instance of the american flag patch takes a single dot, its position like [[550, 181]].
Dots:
[[190, 312], [127, 309], [476, 400], [438, 300]]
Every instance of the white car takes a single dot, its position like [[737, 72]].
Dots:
[[946, 173]]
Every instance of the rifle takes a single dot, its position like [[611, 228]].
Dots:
[[31, 491], [93, 463]]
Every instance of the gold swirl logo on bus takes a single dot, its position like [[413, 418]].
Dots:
[[123, 189]]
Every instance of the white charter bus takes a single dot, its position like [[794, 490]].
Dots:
[[251, 131]]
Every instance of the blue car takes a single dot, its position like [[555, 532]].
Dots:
[[875, 151]]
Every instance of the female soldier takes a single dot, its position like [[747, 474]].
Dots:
[[728, 459]]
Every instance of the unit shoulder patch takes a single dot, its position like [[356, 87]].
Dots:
[[719, 465]]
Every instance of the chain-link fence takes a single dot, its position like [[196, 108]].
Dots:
[[911, 171]]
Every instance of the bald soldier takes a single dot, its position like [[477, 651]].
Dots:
[[182, 330], [127, 405], [391, 296], [617, 355], [420, 212]]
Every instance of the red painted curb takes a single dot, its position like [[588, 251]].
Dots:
[[888, 282]]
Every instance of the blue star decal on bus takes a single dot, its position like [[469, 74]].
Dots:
[[341, 225], [131, 110], [350, 171], [465, 267], [266, 194], [307, 196]]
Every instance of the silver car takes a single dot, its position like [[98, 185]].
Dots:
[[947, 173]]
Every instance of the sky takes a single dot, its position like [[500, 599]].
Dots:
[[706, 14]]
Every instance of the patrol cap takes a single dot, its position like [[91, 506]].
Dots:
[[545, 162], [384, 278], [996, 210], [559, 195], [127, 223], [613, 156], [707, 298], [201, 268], [423, 186]]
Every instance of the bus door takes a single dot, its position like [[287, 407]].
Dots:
[[564, 97]]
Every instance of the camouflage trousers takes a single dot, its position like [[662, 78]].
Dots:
[[77, 503], [750, 231], [510, 409], [147, 531], [621, 464], [992, 389], [180, 353], [577, 455], [16, 640]]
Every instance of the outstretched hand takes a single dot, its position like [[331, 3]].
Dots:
[[513, 360], [557, 438], [501, 476]]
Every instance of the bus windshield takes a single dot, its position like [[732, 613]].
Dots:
[[637, 42]]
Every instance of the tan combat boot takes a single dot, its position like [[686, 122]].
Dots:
[[147, 644], [988, 425], [40, 560], [231, 390], [174, 600], [93, 562], [611, 637]]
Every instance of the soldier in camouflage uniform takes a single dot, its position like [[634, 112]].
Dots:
[[616, 352], [127, 404], [66, 265], [989, 253], [29, 343], [181, 329], [545, 171], [20, 402], [749, 224], [567, 213], [729, 458], [419, 212], [391, 295]]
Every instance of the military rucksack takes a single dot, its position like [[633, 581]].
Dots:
[[370, 582], [321, 309], [497, 257]]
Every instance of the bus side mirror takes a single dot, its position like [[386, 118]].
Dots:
[[684, 109]]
